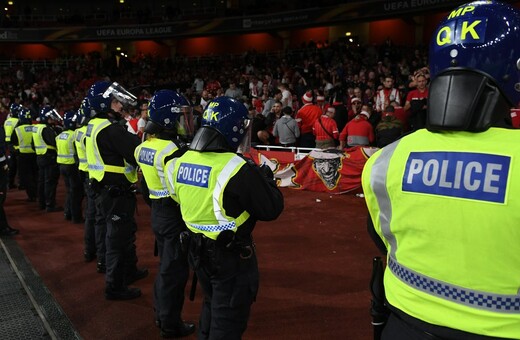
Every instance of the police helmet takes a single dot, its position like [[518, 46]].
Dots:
[[14, 109], [48, 112], [475, 67], [70, 118], [84, 111], [102, 93], [164, 110], [24, 116], [224, 124]]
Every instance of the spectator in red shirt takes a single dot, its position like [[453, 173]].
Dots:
[[417, 102], [326, 130], [306, 116], [358, 131]]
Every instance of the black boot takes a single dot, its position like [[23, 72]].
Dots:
[[122, 293], [183, 329], [138, 274]]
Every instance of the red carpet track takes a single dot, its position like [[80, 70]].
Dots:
[[315, 264]]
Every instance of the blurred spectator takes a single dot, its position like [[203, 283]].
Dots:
[[387, 94], [389, 128], [268, 104], [417, 102], [358, 132], [286, 128], [306, 117], [326, 131], [232, 91]]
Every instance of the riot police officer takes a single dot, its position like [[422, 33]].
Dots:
[[221, 196], [9, 125], [44, 138], [165, 110], [112, 171], [68, 163], [443, 200], [95, 222], [5, 228], [27, 167]]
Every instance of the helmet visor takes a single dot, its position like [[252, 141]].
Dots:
[[245, 144], [120, 94], [54, 115], [185, 123]]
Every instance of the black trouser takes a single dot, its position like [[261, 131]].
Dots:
[[28, 173], [120, 258], [13, 164], [48, 175], [90, 232], [167, 224], [75, 191], [230, 284]]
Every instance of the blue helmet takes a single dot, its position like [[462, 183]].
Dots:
[[14, 109], [102, 93], [48, 112], [229, 117], [97, 102], [69, 119], [481, 35], [165, 107], [24, 116]]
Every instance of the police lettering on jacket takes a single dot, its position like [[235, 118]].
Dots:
[[468, 175], [194, 174], [146, 156]]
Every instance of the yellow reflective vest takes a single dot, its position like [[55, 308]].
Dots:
[[39, 144], [65, 146], [79, 141], [150, 156], [96, 166], [447, 207], [25, 138], [197, 181], [9, 125]]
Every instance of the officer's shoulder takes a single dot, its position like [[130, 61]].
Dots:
[[249, 161]]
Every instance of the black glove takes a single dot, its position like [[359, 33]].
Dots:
[[266, 171]]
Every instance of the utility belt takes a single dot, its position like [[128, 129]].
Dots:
[[201, 248], [114, 190], [164, 202]]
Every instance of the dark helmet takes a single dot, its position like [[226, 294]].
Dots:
[[70, 118], [48, 112], [474, 65], [102, 93], [164, 110], [24, 116], [84, 111], [226, 116], [14, 109]]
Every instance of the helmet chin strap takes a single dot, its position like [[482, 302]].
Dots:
[[465, 100]]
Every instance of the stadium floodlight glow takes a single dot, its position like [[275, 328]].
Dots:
[[10, 3], [348, 34], [121, 1], [118, 48]]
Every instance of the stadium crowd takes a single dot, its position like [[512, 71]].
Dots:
[[330, 74]]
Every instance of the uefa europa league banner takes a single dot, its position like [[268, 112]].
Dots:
[[330, 171]]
